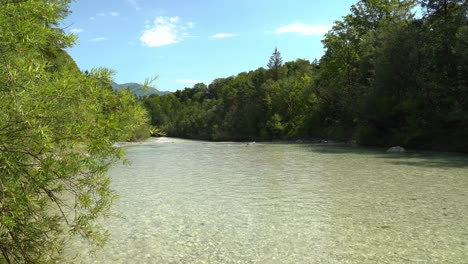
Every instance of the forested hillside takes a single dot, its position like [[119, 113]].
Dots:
[[387, 78], [137, 89]]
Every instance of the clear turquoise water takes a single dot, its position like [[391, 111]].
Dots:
[[202, 202]]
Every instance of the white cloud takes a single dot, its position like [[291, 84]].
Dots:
[[114, 13], [303, 29], [188, 81], [101, 14], [92, 18], [164, 31], [190, 24], [98, 39], [223, 35], [76, 30]]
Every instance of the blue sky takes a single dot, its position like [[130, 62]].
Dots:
[[184, 42]]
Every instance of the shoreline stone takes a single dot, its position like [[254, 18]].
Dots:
[[396, 149]]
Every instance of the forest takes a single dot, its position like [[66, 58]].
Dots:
[[393, 73]]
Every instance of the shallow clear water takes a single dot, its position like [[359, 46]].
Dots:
[[202, 202]]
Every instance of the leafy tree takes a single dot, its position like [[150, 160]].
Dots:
[[346, 69], [57, 129], [275, 126]]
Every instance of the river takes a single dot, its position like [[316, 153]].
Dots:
[[184, 201]]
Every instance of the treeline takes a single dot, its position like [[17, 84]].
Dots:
[[386, 78], [57, 130], [249, 106]]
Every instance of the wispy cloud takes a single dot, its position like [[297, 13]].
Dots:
[[164, 31], [135, 4], [103, 14], [76, 30], [188, 81], [98, 39], [223, 35], [303, 29]]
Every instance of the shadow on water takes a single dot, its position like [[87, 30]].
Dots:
[[426, 159], [341, 148]]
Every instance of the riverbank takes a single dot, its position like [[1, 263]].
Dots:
[[319, 140]]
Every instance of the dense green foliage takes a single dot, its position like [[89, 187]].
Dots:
[[386, 78], [245, 107], [57, 129]]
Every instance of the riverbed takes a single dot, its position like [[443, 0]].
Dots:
[[183, 201]]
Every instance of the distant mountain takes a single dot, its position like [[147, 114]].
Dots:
[[137, 89]]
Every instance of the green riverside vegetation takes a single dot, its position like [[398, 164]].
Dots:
[[386, 78], [57, 130]]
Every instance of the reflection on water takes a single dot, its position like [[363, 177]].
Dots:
[[200, 202]]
